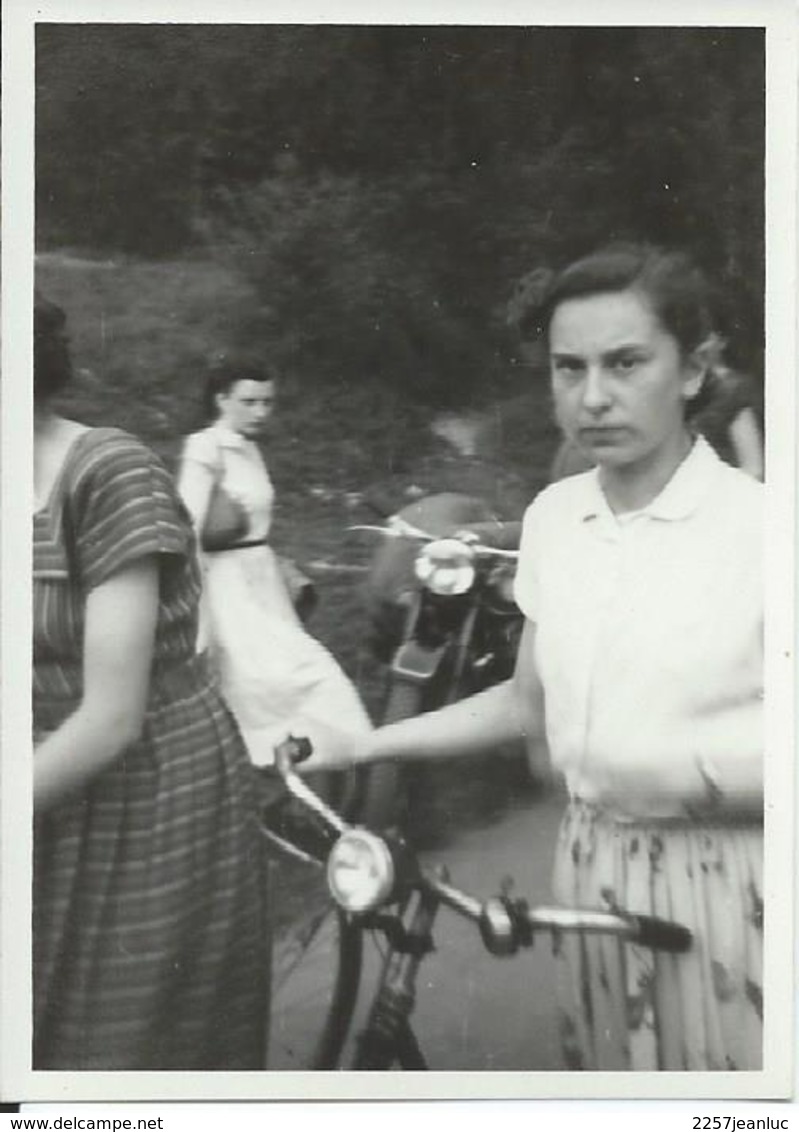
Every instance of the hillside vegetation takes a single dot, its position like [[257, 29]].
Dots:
[[356, 204], [141, 336]]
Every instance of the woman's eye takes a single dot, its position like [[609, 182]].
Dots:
[[568, 368], [624, 364]]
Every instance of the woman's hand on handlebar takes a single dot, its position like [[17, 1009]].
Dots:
[[500, 715], [335, 752]]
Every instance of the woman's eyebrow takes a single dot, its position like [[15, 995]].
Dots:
[[565, 356], [624, 348]]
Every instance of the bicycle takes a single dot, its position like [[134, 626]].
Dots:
[[377, 885]]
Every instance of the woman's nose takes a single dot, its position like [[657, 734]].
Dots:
[[595, 389]]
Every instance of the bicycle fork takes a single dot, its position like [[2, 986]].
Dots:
[[388, 1037]]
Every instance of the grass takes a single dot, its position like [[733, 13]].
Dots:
[[142, 334]]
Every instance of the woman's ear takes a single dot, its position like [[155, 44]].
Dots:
[[694, 378], [701, 361]]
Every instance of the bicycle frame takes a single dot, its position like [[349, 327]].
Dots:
[[388, 1037]]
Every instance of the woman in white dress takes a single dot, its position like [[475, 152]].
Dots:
[[275, 676]]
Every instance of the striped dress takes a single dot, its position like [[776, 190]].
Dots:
[[148, 940]]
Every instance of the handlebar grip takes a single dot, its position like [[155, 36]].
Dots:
[[292, 751], [302, 748], [662, 935]]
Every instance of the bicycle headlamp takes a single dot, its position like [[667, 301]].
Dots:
[[360, 871], [446, 567]]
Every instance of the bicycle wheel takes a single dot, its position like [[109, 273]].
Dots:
[[316, 969]]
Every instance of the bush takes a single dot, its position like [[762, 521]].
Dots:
[[351, 290]]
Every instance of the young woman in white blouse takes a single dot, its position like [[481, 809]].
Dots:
[[275, 676], [639, 672]]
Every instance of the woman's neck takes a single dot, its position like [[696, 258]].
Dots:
[[634, 486], [53, 437]]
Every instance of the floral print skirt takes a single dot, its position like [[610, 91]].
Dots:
[[627, 1007]]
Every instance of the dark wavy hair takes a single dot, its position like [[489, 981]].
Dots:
[[674, 285], [223, 375], [52, 366]]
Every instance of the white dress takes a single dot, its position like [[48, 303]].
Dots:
[[276, 678]]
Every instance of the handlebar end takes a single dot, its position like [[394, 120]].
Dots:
[[302, 747], [292, 750], [662, 935]]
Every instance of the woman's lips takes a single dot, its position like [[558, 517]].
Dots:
[[601, 434]]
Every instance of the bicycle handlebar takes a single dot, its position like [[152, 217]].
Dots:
[[401, 528], [287, 755], [505, 924]]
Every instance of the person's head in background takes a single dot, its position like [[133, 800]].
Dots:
[[240, 394], [52, 367], [629, 333]]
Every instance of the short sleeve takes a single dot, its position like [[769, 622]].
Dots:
[[526, 583], [201, 448], [124, 507]]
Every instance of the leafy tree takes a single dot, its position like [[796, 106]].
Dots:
[[383, 187]]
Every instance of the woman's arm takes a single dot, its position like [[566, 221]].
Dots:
[[747, 443], [507, 713], [119, 635]]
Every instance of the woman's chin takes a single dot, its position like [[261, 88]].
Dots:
[[608, 455]]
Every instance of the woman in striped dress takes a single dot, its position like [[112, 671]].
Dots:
[[148, 942]]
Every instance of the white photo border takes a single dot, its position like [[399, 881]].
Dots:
[[18, 1080]]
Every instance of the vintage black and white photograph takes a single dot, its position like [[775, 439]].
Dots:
[[402, 441]]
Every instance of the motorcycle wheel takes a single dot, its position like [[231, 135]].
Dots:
[[316, 961], [383, 794]]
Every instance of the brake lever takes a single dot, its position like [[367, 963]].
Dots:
[[395, 528], [481, 549], [373, 527], [493, 551]]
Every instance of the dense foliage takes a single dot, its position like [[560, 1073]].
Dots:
[[382, 187]]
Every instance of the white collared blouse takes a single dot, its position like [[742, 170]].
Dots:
[[649, 639], [221, 453]]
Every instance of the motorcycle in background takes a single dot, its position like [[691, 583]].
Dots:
[[442, 618]]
